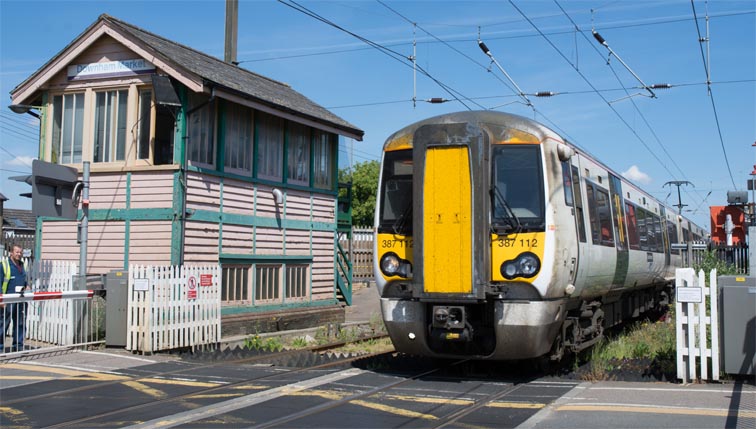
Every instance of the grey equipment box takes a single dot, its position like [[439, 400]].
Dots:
[[116, 306], [737, 299]]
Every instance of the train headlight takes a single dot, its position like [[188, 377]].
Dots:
[[529, 264], [509, 270], [393, 265], [526, 265], [390, 264]]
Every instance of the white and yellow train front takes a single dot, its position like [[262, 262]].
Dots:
[[467, 261]]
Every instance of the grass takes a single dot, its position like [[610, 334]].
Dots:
[[646, 340]]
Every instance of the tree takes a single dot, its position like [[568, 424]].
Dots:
[[364, 178]]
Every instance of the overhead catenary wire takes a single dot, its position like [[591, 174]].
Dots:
[[587, 81], [391, 53], [635, 106], [710, 92]]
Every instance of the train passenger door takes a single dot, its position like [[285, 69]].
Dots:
[[573, 196], [620, 231]]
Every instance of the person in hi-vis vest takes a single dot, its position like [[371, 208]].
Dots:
[[13, 280]]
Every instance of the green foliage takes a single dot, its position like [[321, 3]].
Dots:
[[712, 261], [364, 178], [299, 343], [270, 344]]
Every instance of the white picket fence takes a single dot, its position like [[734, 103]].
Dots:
[[52, 322], [693, 349], [172, 307]]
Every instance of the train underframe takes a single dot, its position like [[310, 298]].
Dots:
[[502, 329]]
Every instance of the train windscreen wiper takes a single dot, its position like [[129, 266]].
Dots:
[[512, 218], [402, 220]]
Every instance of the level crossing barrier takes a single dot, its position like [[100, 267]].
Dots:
[[57, 315]]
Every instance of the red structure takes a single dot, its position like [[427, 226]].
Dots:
[[718, 216]]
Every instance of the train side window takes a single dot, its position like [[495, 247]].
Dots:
[[592, 213], [672, 234], [651, 232], [605, 217], [658, 232], [567, 180], [578, 199], [632, 227], [642, 235], [600, 214]]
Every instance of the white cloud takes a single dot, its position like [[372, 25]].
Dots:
[[634, 174], [23, 161]]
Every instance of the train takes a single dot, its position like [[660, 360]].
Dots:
[[497, 239]]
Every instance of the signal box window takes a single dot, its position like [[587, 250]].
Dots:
[[68, 128], [238, 139], [298, 157], [110, 126], [270, 142], [323, 156], [201, 145]]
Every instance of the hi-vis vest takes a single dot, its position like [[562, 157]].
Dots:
[[6, 274]]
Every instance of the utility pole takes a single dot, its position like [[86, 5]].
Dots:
[[679, 183]]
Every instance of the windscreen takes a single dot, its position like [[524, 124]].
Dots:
[[517, 188], [396, 193]]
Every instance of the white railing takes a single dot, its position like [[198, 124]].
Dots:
[[693, 348], [172, 307]]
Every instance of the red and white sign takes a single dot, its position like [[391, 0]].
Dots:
[[191, 284], [206, 279]]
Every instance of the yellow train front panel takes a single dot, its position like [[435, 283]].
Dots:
[[447, 221], [510, 246]]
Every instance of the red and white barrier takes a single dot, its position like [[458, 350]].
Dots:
[[12, 298]]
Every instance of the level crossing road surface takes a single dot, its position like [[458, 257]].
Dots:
[[113, 388]]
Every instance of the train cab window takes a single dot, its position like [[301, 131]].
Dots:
[[396, 193], [632, 227], [600, 214], [517, 191]]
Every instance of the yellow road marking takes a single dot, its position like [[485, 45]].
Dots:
[[325, 394], [8, 411], [180, 382], [525, 405], [22, 377], [250, 387], [429, 400], [394, 410], [657, 410], [147, 390], [43, 369], [217, 395]]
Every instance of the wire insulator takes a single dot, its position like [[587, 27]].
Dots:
[[661, 86], [436, 100], [545, 94], [598, 37], [484, 48]]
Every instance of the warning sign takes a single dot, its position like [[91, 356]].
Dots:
[[191, 285], [206, 279]]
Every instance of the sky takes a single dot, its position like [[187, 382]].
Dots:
[[354, 58]]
